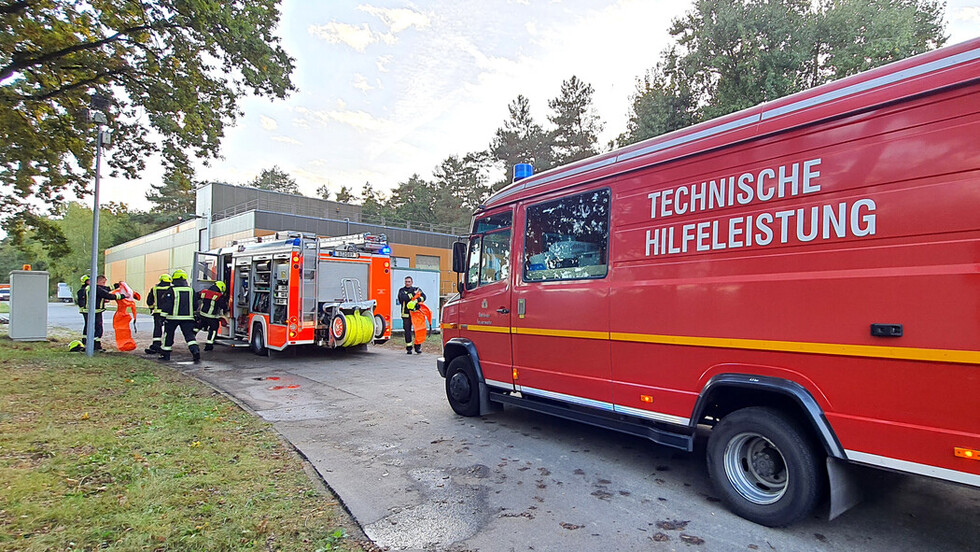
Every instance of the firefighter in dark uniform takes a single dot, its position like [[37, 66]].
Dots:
[[408, 302], [177, 304], [102, 294], [213, 305], [153, 301]]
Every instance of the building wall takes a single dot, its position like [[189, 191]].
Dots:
[[447, 279]]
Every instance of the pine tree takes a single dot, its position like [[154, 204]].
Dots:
[[576, 124]]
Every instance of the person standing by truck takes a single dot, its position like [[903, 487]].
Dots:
[[177, 304], [153, 302], [410, 298], [213, 305]]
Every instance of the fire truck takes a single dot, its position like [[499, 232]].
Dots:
[[803, 277], [294, 288]]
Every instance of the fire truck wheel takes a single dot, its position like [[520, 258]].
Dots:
[[764, 467], [462, 387], [258, 341], [379, 326], [338, 329]]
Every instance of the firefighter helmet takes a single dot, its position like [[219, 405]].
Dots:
[[84, 278], [165, 278], [178, 274], [221, 286]]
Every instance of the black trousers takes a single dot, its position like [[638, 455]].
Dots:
[[211, 325], [158, 321], [98, 329], [187, 329]]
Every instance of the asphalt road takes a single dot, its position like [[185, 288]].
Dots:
[[377, 427]]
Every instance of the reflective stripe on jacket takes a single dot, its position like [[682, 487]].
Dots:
[[212, 302]]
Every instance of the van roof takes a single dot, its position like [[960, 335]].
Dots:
[[924, 73]]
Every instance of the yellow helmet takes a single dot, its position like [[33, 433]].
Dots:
[[165, 278], [221, 286], [84, 278], [178, 274]]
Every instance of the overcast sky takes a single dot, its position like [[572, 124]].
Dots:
[[391, 88]]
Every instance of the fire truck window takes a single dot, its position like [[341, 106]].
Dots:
[[495, 260], [567, 239], [473, 265], [493, 222]]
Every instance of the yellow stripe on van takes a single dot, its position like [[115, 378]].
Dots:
[[581, 334], [897, 353], [488, 329], [869, 351]]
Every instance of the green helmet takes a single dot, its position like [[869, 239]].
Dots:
[[178, 274], [84, 278], [221, 286], [165, 278]]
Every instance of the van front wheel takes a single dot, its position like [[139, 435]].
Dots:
[[462, 387], [765, 468]]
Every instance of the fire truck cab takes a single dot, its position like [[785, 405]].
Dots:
[[293, 288], [803, 277]]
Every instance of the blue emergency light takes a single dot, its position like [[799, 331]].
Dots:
[[386, 250], [522, 171]]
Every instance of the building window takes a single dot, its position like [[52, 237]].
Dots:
[[401, 262], [427, 262], [567, 239]]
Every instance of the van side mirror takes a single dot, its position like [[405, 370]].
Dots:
[[459, 257]]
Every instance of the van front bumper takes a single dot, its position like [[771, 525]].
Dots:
[[441, 366]]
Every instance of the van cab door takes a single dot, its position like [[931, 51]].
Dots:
[[485, 311]]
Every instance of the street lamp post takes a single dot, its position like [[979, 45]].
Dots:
[[99, 118]]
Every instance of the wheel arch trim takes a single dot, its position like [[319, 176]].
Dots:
[[787, 388]]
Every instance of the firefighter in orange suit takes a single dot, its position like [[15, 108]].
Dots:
[[213, 305], [102, 294]]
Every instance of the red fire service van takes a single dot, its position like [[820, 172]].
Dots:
[[298, 289], [803, 277]]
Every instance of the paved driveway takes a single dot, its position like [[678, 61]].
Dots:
[[377, 427]]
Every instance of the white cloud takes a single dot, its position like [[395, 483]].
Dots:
[[268, 123], [359, 120], [287, 140], [382, 63], [358, 38], [361, 83], [398, 19], [969, 14]]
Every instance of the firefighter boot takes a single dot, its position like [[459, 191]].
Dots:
[[153, 349], [165, 355], [208, 347], [418, 349], [408, 350]]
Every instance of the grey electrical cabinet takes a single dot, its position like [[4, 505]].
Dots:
[[28, 305]]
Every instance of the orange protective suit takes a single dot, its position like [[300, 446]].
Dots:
[[125, 315], [419, 318]]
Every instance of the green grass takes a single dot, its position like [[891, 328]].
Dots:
[[4, 306], [114, 452]]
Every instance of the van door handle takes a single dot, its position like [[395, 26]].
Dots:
[[503, 310]]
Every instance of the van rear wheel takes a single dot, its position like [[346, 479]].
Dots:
[[764, 466], [462, 387]]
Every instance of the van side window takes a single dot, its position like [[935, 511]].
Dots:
[[568, 238], [489, 252]]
